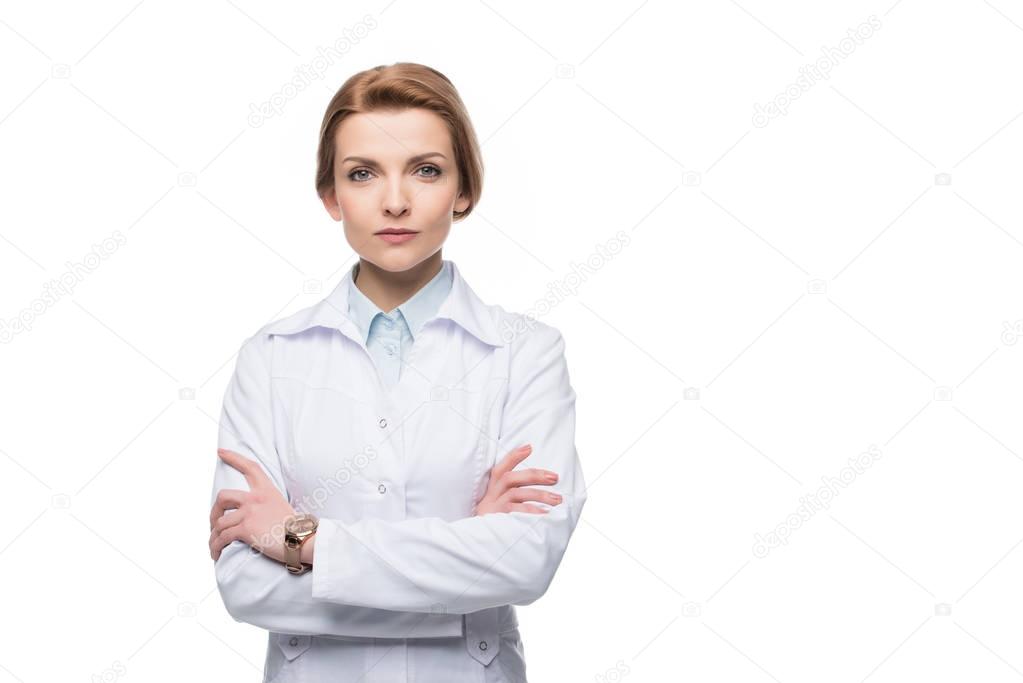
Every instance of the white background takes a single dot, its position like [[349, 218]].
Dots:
[[843, 280]]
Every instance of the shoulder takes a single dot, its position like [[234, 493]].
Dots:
[[257, 348], [537, 366], [526, 336], [299, 321], [292, 324]]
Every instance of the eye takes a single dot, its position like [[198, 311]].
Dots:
[[432, 168], [358, 170]]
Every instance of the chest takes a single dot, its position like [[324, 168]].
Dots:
[[352, 447]]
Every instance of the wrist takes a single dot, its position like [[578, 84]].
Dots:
[[299, 530]]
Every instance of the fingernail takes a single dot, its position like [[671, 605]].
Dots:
[[527, 447], [551, 477]]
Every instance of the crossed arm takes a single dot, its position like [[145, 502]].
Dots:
[[410, 578]]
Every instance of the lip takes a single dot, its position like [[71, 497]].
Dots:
[[396, 237], [394, 230]]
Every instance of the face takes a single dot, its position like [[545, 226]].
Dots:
[[395, 170]]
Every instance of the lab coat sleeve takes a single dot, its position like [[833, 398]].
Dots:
[[257, 589], [465, 565]]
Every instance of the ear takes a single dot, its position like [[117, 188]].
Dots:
[[462, 203], [330, 203]]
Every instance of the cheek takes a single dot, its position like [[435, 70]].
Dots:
[[350, 204], [436, 200]]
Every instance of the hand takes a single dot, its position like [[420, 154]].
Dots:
[[259, 514], [506, 491]]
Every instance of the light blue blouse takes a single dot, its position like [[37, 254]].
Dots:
[[389, 336]]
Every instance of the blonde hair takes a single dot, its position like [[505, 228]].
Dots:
[[399, 86]]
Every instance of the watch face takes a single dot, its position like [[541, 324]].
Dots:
[[301, 524]]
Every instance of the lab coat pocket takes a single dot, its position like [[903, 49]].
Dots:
[[509, 666], [453, 442], [289, 669], [326, 446]]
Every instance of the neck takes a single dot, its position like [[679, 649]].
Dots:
[[388, 290]]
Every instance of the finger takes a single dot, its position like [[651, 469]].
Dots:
[[531, 475], [526, 507], [226, 500], [228, 521], [510, 460], [522, 494], [236, 460], [222, 540], [214, 550], [250, 468], [216, 544]]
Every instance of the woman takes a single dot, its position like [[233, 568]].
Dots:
[[367, 509]]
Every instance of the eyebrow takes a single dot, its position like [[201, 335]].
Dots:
[[412, 160]]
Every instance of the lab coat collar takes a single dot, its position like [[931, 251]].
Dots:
[[461, 306]]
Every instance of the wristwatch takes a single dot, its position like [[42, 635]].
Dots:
[[297, 530]]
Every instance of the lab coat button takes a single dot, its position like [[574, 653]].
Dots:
[[382, 488], [483, 645], [292, 646], [383, 422]]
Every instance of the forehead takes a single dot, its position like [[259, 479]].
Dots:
[[393, 134]]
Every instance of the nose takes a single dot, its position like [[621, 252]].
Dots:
[[397, 200]]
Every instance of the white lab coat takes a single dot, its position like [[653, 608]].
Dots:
[[407, 584]]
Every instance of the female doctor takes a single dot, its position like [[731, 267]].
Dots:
[[369, 509]]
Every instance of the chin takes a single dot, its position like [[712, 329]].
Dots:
[[397, 260]]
